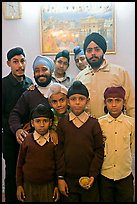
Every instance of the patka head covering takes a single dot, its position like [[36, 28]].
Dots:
[[56, 88], [15, 51], [78, 51], [114, 92], [42, 110], [98, 39], [48, 62], [64, 53], [78, 88]]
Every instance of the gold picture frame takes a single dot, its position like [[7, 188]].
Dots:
[[64, 26]]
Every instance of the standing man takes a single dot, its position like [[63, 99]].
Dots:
[[80, 58], [13, 85], [20, 115], [61, 65], [101, 74]]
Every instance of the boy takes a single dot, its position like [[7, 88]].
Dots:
[[57, 96], [61, 66], [80, 58], [116, 180], [36, 165], [80, 149], [13, 85]]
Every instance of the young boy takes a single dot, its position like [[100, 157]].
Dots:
[[80, 58], [116, 180], [80, 149], [57, 96], [60, 75], [36, 164]]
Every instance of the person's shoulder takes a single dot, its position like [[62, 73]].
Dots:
[[103, 119], [83, 72], [5, 78], [93, 118], [28, 79], [116, 66], [129, 118]]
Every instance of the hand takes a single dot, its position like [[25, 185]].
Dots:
[[20, 193], [91, 180], [20, 135], [31, 88], [56, 194], [54, 136], [63, 187]]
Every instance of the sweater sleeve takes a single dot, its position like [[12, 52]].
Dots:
[[98, 151]]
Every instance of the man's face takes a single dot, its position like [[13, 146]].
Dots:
[[17, 65], [94, 55], [42, 75]]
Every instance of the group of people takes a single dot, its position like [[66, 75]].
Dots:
[[63, 128]]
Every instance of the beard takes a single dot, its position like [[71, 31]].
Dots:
[[95, 64], [43, 84]]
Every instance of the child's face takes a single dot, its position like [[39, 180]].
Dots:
[[41, 125], [114, 106], [61, 65], [77, 103], [59, 102]]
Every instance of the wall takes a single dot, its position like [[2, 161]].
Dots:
[[25, 32]]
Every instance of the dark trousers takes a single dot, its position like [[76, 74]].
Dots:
[[79, 194], [116, 191], [10, 153]]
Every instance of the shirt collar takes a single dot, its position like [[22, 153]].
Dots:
[[83, 117], [64, 78], [119, 118], [37, 136]]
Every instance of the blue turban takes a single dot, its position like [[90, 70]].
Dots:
[[48, 62], [98, 39], [78, 51]]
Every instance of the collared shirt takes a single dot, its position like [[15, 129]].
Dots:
[[78, 120], [41, 139], [66, 80], [44, 90], [119, 140], [106, 76]]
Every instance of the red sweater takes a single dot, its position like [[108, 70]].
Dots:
[[35, 163]]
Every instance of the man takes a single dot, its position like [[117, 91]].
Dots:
[[101, 74], [20, 115], [61, 65], [13, 85], [80, 59]]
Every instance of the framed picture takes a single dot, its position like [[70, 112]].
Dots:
[[64, 25]]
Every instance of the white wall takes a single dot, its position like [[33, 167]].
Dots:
[[25, 32]]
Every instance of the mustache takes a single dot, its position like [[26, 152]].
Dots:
[[93, 57], [41, 76]]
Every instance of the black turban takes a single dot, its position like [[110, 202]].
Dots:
[[78, 88], [64, 53], [98, 39], [15, 51]]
